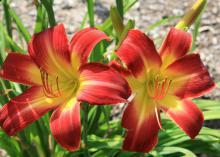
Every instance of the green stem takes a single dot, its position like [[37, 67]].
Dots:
[[49, 8], [85, 129], [90, 6], [7, 17]]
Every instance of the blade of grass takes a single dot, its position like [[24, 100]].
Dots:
[[40, 19], [2, 44], [172, 150], [20, 25], [90, 8], [13, 44], [49, 8], [7, 17], [211, 115], [161, 22], [195, 32], [85, 18]]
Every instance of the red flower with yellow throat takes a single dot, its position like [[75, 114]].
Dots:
[[165, 81], [60, 79]]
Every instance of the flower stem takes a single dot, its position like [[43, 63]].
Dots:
[[85, 129]]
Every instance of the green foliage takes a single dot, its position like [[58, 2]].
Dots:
[[103, 136]]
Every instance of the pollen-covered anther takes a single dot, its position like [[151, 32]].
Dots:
[[48, 85], [161, 88]]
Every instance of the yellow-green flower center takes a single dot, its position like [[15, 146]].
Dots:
[[55, 86], [156, 85]]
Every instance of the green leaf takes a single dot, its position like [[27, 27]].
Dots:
[[20, 25], [171, 150], [90, 6], [41, 19], [84, 21], [7, 17], [161, 22], [50, 13], [211, 115], [208, 104], [195, 32]]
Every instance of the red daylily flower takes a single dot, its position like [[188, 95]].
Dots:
[[61, 79], [161, 81]]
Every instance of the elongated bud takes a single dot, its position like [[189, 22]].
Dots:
[[117, 21], [191, 15], [124, 33], [127, 27]]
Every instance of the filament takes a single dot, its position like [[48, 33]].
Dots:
[[48, 88], [161, 88], [158, 119]]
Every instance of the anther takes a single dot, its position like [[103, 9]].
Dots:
[[161, 88]]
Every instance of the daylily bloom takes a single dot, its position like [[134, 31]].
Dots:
[[165, 81], [61, 79]]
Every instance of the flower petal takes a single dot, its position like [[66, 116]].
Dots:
[[142, 126], [24, 109], [187, 116], [99, 84], [138, 52], [50, 50], [65, 125], [123, 71], [176, 45], [21, 69], [190, 77], [83, 43]]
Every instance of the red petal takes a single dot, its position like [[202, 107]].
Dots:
[[99, 84], [187, 116], [21, 69], [50, 49], [115, 65], [138, 52], [83, 43], [176, 45], [24, 109], [65, 125], [142, 128], [190, 77]]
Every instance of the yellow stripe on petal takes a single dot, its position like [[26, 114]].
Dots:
[[75, 61], [68, 105], [170, 101]]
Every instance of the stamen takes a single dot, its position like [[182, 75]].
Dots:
[[168, 87], [158, 119], [48, 89], [58, 88], [157, 86], [161, 88]]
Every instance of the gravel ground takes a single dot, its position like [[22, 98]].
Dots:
[[145, 13]]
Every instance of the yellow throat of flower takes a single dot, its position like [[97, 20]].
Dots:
[[55, 86]]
